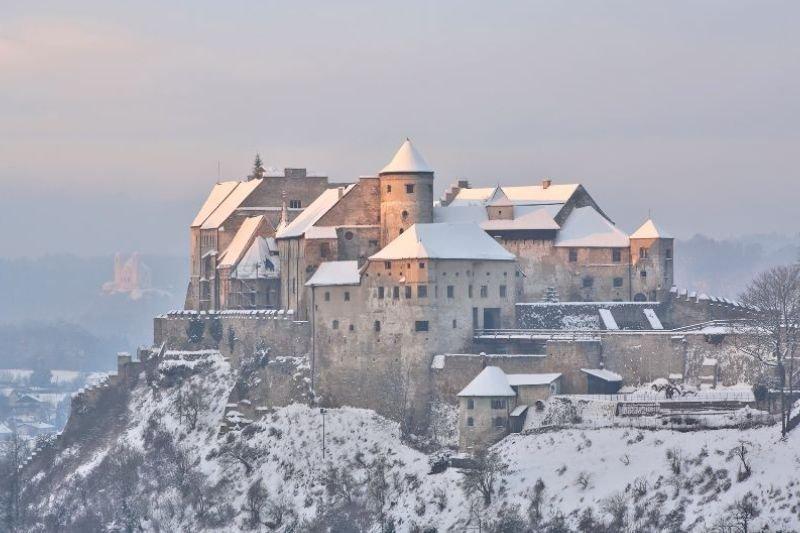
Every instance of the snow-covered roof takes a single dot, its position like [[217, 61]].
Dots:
[[528, 194], [5, 430], [444, 241], [608, 319], [518, 410], [241, 241], [257, 262], [602, 373], [219, 192], [492, 381], [407, 159], [516, 380], [586, 228], [652, 318], [313, 212], [537, 219], [335, 273], [231, 202], [649, 230]]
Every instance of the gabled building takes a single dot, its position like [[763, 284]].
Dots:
[[267, 201]]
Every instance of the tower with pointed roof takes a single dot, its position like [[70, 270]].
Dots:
[[652, 262], [406, 192]]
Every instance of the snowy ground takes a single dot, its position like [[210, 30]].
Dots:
[[187, 476]]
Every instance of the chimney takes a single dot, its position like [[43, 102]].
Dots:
[[546, 183], [341, 191]]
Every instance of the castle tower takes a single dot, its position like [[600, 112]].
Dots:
[[651, 262], [406, 186]]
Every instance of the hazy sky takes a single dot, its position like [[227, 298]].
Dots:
[[113, 117]]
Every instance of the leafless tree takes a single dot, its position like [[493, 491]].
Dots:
[[483, 479], [771, 336], [12, 454], [235, 451], [742, 451]]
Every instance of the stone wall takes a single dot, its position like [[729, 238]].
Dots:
[[368, 350], [454, 371], [268, 329]]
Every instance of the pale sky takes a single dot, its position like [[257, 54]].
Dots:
[[113, 117]]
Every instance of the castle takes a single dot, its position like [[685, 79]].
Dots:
[[396, 298]]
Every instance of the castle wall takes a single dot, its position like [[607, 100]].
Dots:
[[251, 330], [372, 356], [546, 265]]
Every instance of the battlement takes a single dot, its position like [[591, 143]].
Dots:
[[234, 332]]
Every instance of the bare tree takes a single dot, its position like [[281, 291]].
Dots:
[[772, 334], [12, 455], [487, 473]]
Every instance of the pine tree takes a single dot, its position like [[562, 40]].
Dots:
[[258, 168]]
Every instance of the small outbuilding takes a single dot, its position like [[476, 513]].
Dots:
[[602, 381], [495, 403]]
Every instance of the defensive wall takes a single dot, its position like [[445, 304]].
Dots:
[[236, 333]]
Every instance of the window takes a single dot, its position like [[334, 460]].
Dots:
[[335, 324], [396, 293], [503, 291], [408, 291], [470, 404], [469, 291], [470, 421], [327, 296], [324, 250], [643, 273], [377, 326], [388, 188], [421, 325], [380, 293], [351, 327], [588, 282], [573, 255], [617, 282], [373, 243], [668, 253], [346, 296], [387, 265], [348, 235], [500, 422], [422, 291], [498, 404], [455, 324], [450, 291], [484, 291], [409, 188], [421, 265], [404, 215], [294, 204], [616, 255], [642, 253]]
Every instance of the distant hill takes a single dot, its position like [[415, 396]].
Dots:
[[725, 267], [56, 302]]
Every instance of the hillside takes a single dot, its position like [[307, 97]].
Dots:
[[153, 459]]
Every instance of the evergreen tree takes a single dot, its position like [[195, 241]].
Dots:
[[258, 168]]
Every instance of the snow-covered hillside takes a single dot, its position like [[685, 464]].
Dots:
[[167, 467]]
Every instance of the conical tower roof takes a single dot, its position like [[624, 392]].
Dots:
[[407, 160], [649, 230]]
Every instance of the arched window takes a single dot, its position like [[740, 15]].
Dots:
[[639, 297], [404, 215]]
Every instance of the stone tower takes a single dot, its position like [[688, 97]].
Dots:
[[651, 262], [406, 186]]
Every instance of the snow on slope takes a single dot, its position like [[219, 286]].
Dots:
[[194, 478]]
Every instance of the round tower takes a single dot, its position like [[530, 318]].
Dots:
[[651, 262], [406, 186]]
